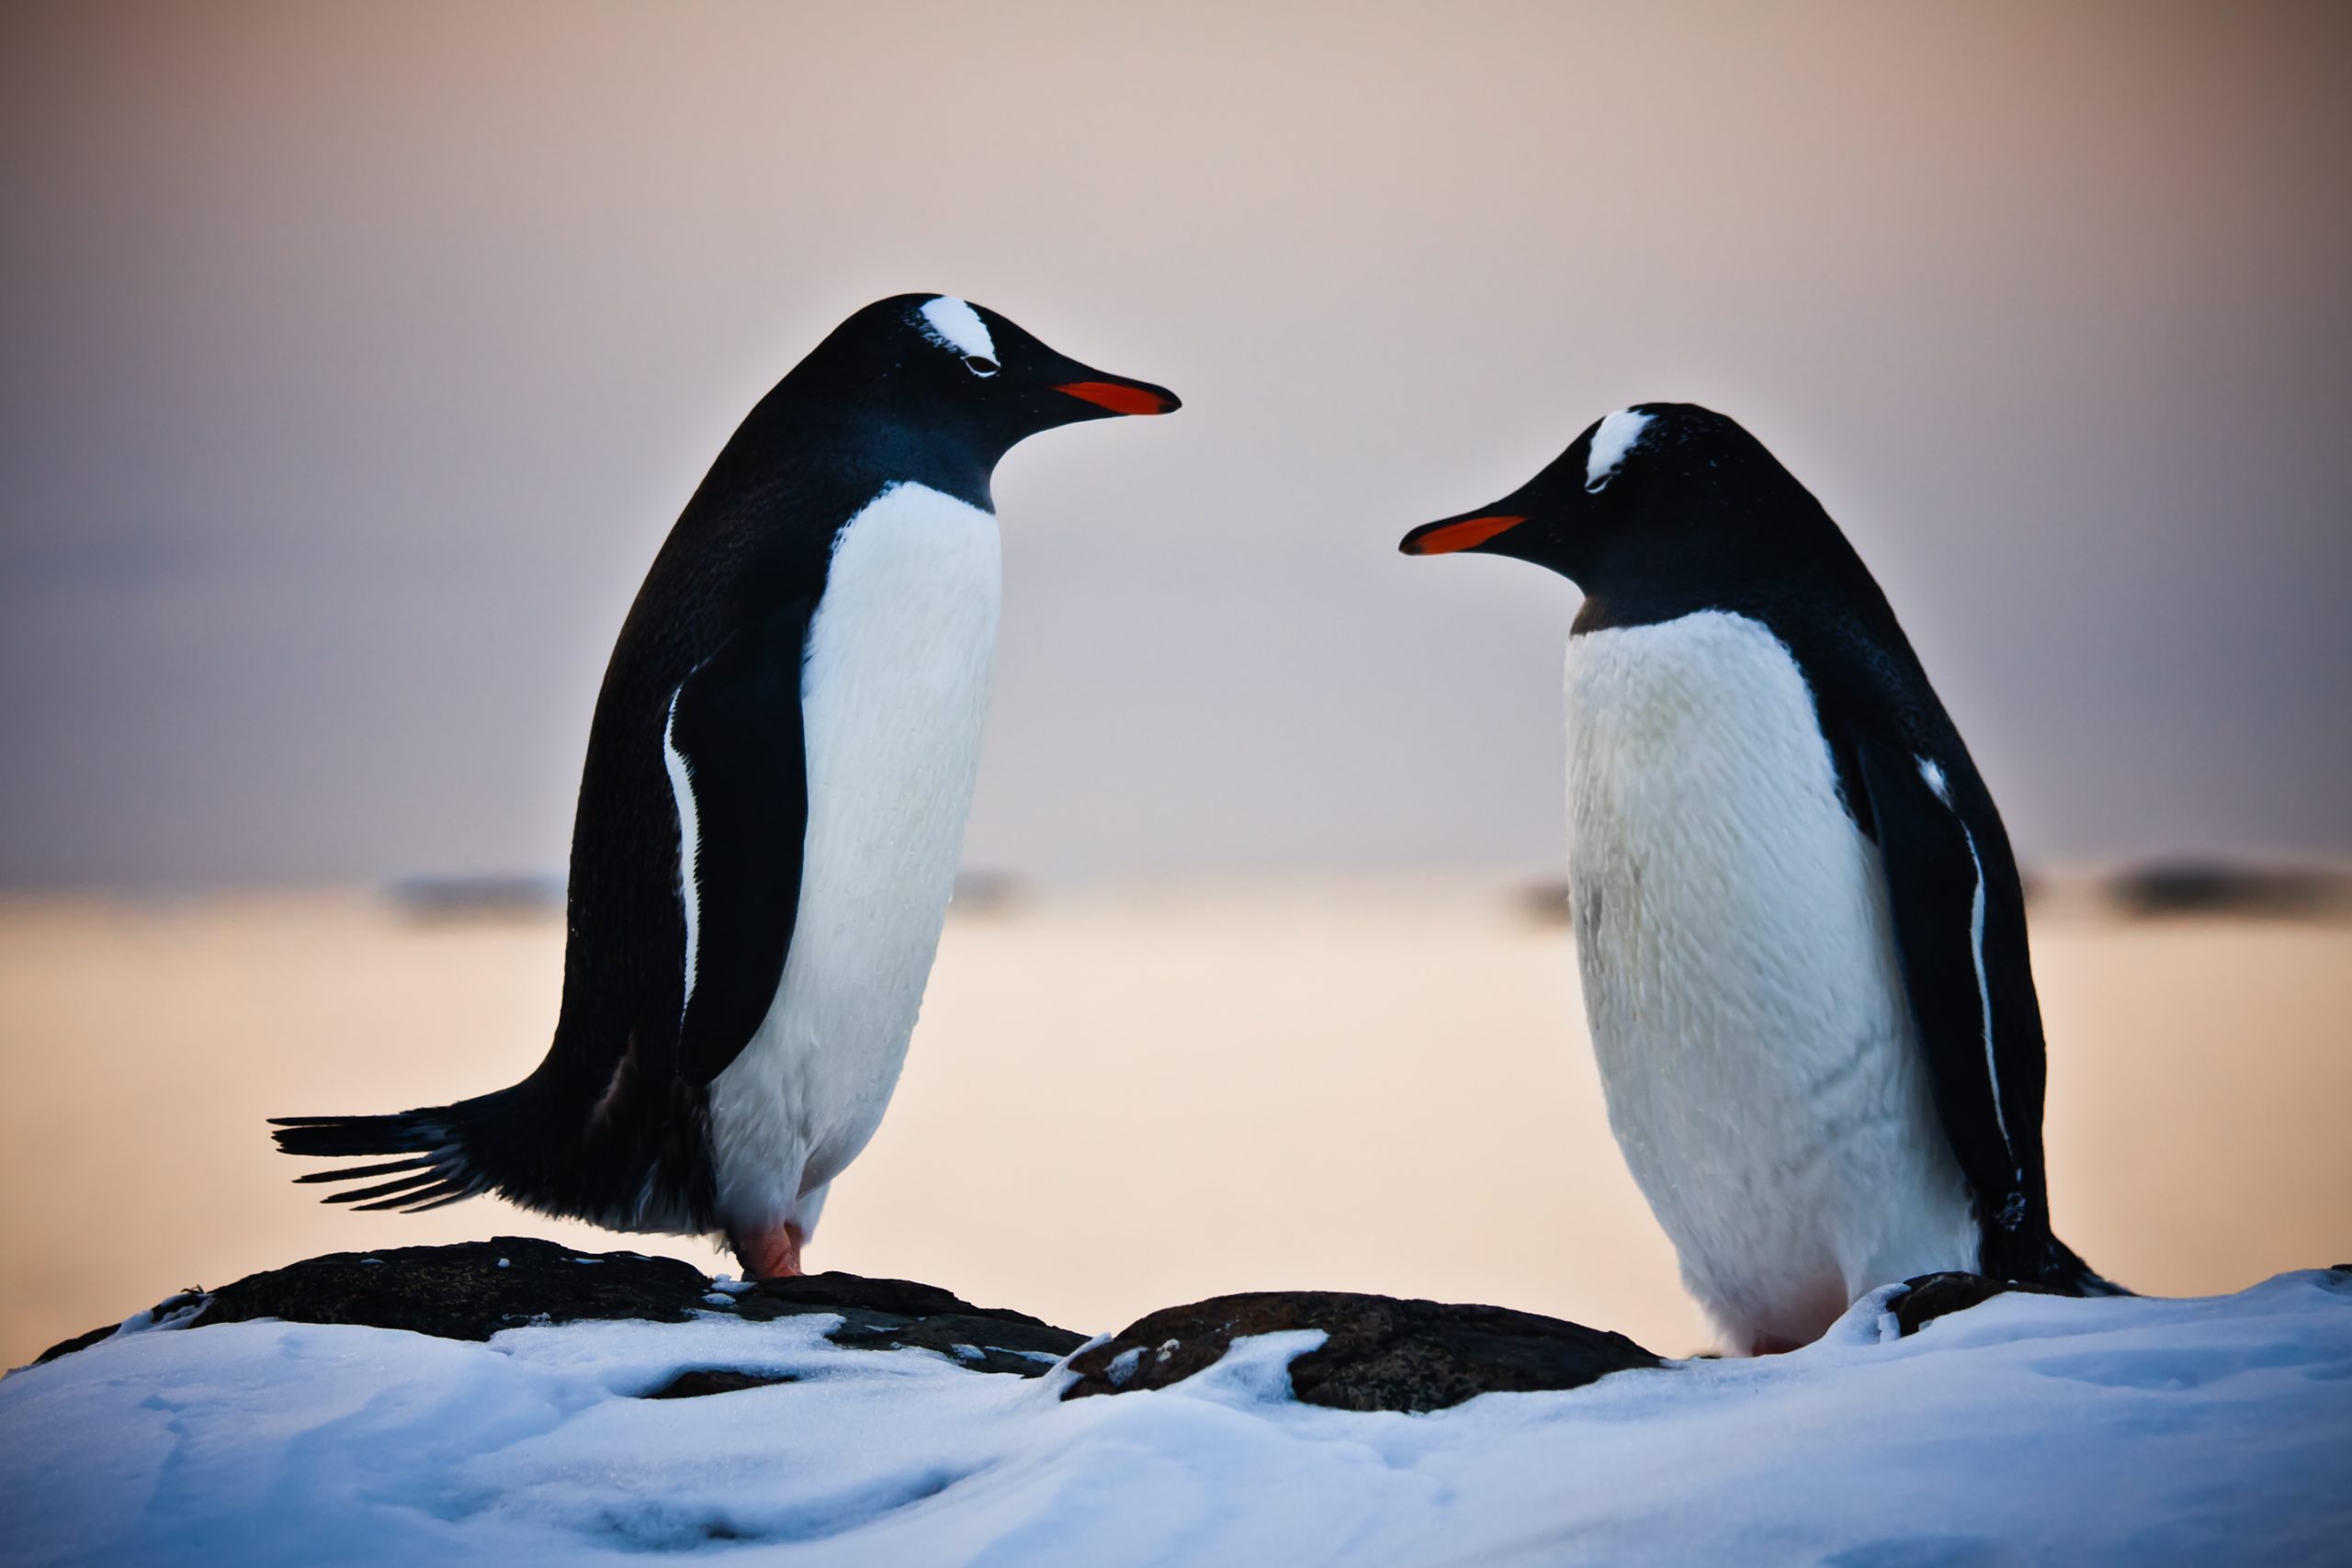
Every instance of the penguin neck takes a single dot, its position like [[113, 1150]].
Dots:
[[1633, 580], [874, 442], [1635, 577], [896, 451]]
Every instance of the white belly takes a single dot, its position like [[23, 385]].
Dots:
[[893, 695], [1741, 982]]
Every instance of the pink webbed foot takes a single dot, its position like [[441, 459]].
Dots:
[[768, 1252]]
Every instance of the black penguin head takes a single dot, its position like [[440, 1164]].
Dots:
[[960, 370], [1653, 494]]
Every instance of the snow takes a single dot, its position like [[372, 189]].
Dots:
[[2030, 1427]]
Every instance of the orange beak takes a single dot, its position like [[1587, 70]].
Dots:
[[1119, 396], [1444, 538]]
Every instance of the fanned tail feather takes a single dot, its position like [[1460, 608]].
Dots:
[[647, 1172], [437, 1169]]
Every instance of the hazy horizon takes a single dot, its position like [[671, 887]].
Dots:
[[1117, 1101], [357, 360]]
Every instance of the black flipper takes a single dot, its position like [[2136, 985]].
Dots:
[[735, 729], [736, 726], [1958, 912]]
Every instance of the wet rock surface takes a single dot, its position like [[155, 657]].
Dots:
[[699, 1383], [1378, 1353], [1931, 1296], [889, 1314], [476, 1289]]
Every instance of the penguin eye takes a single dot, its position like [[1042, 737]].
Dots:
[[981, 365]]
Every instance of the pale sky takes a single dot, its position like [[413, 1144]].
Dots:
[[354, 361]]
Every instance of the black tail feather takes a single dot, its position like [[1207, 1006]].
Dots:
[[435, 1167], [404, 1132], [437, 1202], [2065, 1271], [356, 1171], [411, 1201], [403, 1184], [647, 1169]]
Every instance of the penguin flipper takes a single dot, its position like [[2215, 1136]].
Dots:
[[743, 795], [1960, 926]]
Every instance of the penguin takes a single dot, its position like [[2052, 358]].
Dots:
[[1800, 932], [778, 771]]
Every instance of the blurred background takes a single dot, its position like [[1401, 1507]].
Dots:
[[355, 360]]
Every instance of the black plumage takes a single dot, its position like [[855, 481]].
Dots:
[[1702, 517], [611, 1127]]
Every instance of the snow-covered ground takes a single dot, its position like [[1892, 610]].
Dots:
[[2029, 1429]]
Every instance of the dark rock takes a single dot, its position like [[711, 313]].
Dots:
[[468, 1292], [701, 1382], [448, 900], [835, 1291], [2211, 888], [1547, 903], [82, 1341], [889, 1314], [1378, 1354], [475, 1289], [1931, 1296], [176, 1311]]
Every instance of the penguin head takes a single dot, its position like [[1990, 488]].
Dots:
[[1655, 491], [961, 371]]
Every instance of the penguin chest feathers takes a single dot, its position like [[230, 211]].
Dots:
[[894, 689], [1742, 982]]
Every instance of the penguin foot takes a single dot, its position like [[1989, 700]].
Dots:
[[769, 1252]]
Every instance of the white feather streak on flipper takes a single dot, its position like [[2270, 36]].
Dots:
[[682, 792], [894, 689], [952, 323], [1934, 774], [1618, 435]]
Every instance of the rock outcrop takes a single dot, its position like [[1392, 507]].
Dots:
[[475, 1289], [1931, 1296], [1378, 1353]]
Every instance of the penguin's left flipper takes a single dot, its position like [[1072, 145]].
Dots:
[[737, 725], [1960, 925]]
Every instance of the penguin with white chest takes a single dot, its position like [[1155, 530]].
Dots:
[[778, 772], [1800, 932]]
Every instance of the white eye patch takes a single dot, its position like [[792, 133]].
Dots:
[[952, 324], [1618, 435]]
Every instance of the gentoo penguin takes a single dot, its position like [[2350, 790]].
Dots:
[[777, 776], [1800, 935]]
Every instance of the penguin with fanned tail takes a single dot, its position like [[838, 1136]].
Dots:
[[777, 776], [1801, 933]]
